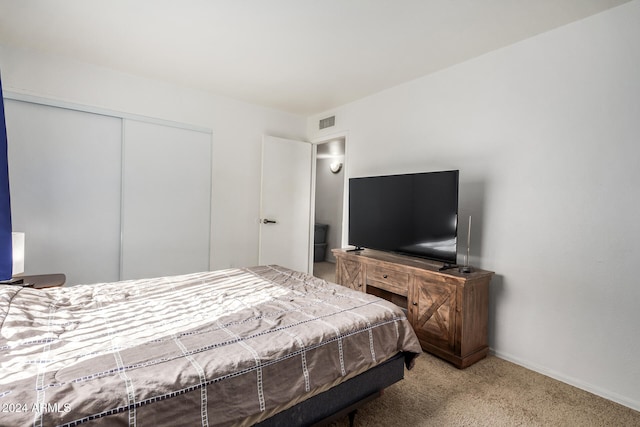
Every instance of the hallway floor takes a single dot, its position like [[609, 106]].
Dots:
[[325, 270]]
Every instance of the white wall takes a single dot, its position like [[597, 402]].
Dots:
[[237, 133], [546, 134]]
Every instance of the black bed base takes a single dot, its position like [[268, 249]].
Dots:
[[343, 399]]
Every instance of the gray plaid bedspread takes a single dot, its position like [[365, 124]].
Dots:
[[228, 347]]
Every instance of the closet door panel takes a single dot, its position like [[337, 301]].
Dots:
[[166, 200], [65, 180]]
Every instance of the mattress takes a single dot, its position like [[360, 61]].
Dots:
[[228, 347]]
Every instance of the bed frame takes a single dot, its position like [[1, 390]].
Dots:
[[343, 399]]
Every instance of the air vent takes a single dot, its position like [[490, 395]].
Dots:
[[328, 122]]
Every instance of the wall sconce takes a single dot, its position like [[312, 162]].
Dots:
[[335, 167], [17, 240]]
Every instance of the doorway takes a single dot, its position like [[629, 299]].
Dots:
[[329, 205], [285, 203]]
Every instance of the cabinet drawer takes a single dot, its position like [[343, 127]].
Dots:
[[387, 279]]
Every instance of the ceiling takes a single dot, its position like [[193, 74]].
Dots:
[[300, 56]]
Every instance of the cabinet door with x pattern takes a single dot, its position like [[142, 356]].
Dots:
[[433, 311], [350, 274]]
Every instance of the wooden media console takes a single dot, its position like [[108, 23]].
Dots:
[[447, 309]]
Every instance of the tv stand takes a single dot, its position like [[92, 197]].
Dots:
[[356, 249], [447, 309]]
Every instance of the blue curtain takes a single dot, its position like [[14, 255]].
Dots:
[[6, 255]]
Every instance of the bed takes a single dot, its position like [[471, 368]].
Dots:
[[263, 345]]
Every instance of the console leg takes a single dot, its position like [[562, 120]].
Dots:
[[352, 417]]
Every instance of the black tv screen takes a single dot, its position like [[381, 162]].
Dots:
[[414, 214]]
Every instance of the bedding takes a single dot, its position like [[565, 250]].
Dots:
[[228, 347]]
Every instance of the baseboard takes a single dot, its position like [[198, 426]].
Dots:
[[606, 394]]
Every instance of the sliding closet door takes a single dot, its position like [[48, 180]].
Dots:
[[166, 200], [65, 180]]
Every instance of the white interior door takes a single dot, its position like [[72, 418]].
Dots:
[[285, 206], [166, 200], [65, 179]]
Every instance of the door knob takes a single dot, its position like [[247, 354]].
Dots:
[[269, 221]]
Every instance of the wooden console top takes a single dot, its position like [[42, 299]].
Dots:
[[412, 262]]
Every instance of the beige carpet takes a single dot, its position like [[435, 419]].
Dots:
[[493, 392], [325, 270]]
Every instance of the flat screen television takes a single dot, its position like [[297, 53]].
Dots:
[[414, 214]]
